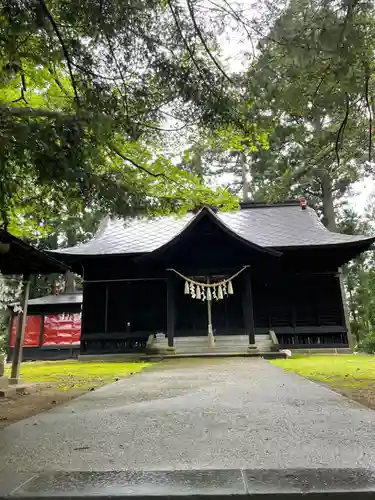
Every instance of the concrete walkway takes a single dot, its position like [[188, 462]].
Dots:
[[196, 414]]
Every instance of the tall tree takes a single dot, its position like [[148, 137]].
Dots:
[[314, 81], [310, 85], [359, 274], [85, 88]]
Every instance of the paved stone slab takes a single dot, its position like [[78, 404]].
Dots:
[[258, 483], [136, 483], [196, 414], [13, 482]]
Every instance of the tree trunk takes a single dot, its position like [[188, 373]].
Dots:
[[329, 216], [245, 182], [70, 283], [198, 167], [324, 176]]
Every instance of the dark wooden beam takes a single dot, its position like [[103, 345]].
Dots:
[[20, 333], [171, 306], [303, 330], [247, 307]]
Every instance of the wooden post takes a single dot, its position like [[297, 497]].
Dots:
[[345, 310], [20, 333], [211, 339], [171, 317], [248, 310]]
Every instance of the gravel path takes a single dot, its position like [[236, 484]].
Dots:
[[196, 414]]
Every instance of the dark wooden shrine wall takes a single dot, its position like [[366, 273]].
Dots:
[[297, 301], [289, 304], [141, 306], [132, 306]]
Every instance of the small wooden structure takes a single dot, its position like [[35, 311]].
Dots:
[[19, 258], [53, 327], [149, 278]]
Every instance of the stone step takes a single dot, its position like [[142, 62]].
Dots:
[[223, 344], [233, 350], [221, 338]]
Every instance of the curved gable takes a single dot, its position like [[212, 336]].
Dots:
[[207, 231]]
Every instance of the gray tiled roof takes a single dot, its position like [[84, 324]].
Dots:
[[277, 226], [47, 300], [64, 298]]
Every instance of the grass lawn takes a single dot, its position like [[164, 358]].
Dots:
[[74, 374], [352, 375]]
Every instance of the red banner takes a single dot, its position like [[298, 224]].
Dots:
[[62, 329], [32, 331]]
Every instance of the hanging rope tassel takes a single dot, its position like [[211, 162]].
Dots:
[[220, 292], [209, 295], [230, 288], [198, 292], [187, 288]]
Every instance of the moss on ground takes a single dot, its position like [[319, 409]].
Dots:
[[351, 375], [349, 371], [75, 374]]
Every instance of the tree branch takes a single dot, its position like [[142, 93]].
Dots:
[[139, 167], [96, 75], [239, 19], [113, 55], [23, 89], [204, 43], [63, 46], [341, 131], [326, 69], [177, 23], [369, 108], [58, 82], [132, 162], [46, 113], [176, 129]]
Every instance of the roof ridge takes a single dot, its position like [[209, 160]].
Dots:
[[263, 204]]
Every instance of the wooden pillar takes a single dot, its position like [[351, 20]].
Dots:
[[345, 309], [10, 325], [20, 333], [41, 332], [294, 316], [171, 306], [248, 310], [106, 310]]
